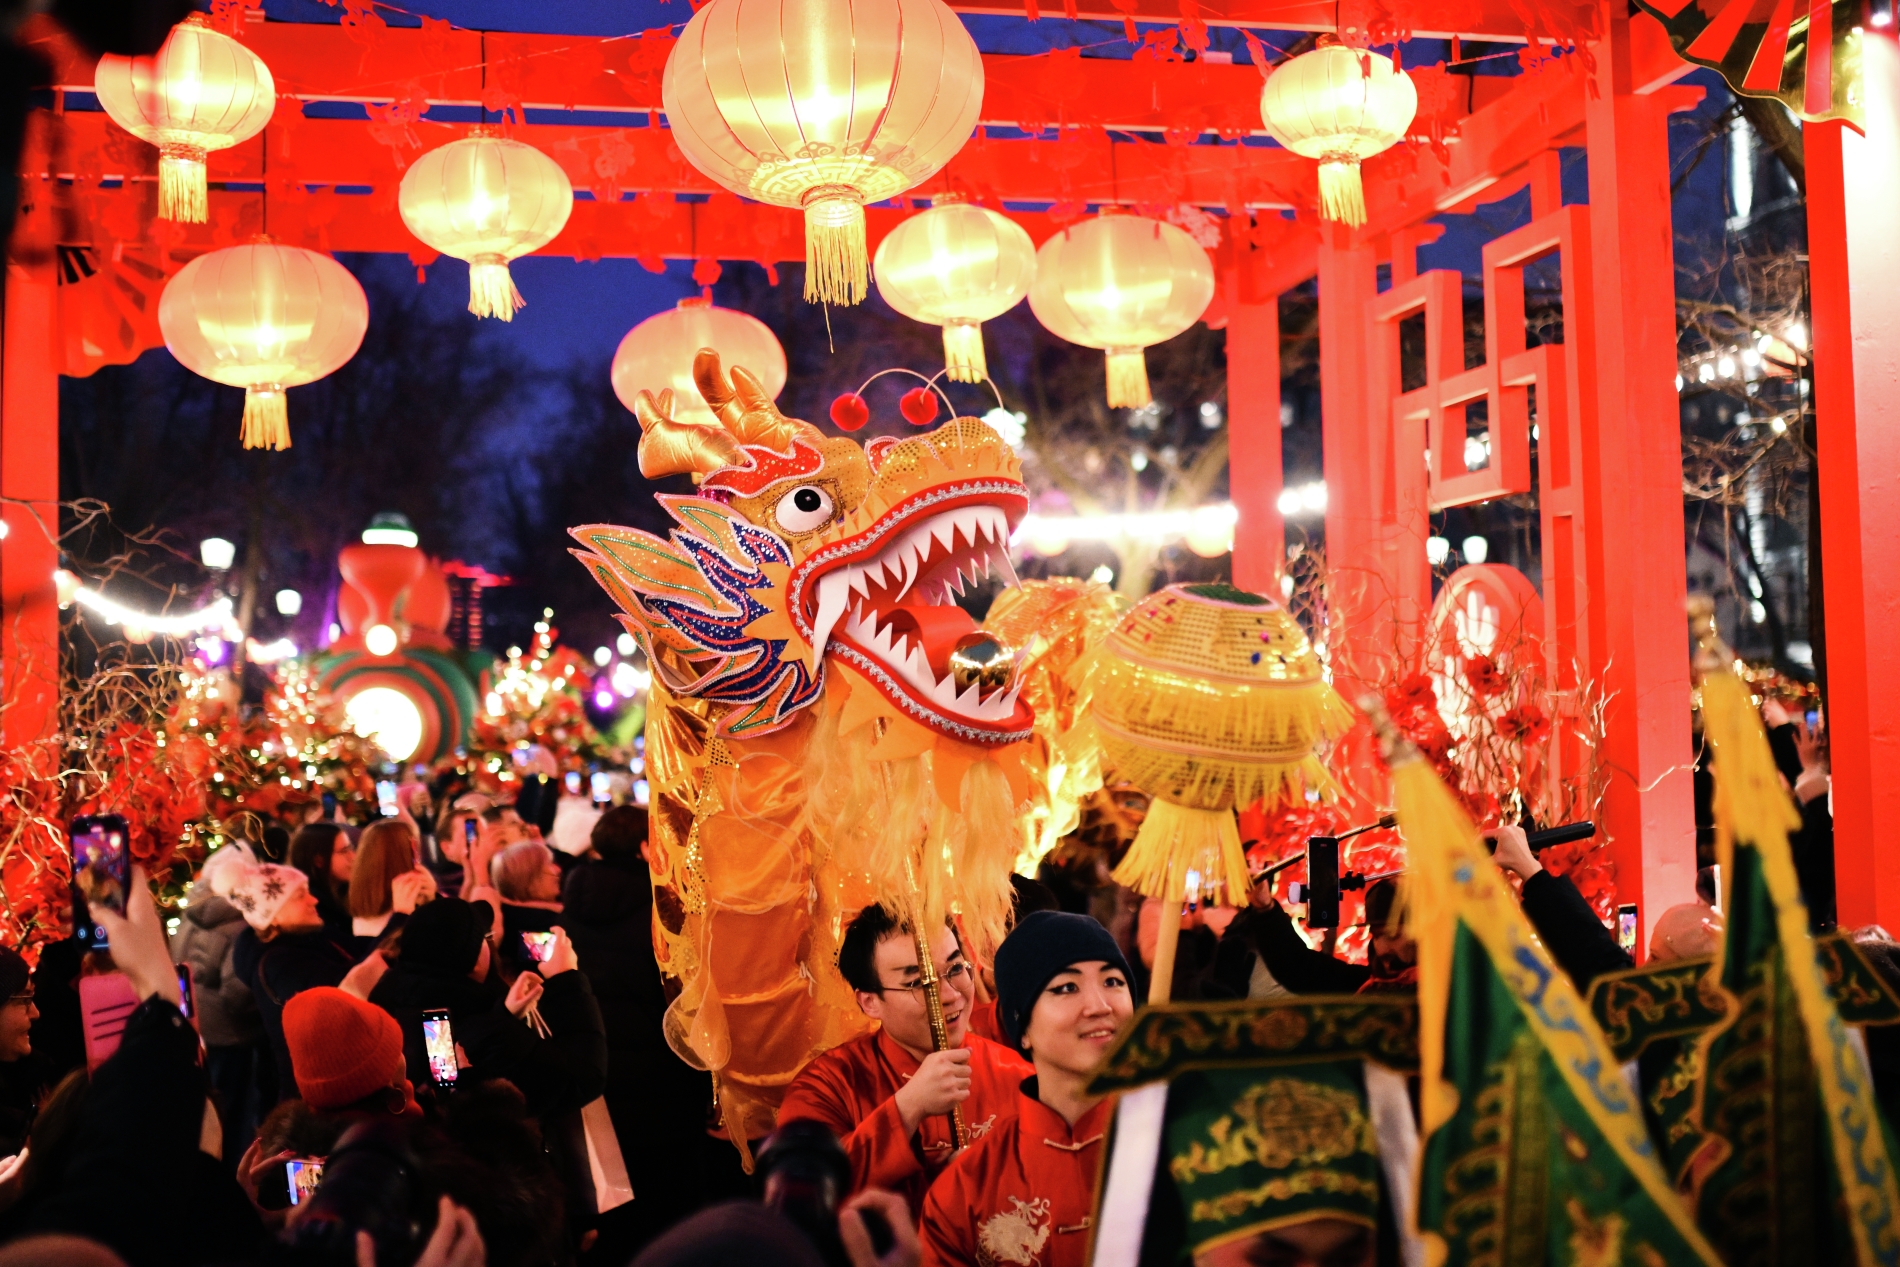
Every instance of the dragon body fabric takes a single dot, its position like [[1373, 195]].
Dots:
[[826, 727]]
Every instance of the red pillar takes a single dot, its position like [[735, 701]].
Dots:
[[29, 477], [1353, 450], [1854, 275], [1254, 477], [1633, 489]]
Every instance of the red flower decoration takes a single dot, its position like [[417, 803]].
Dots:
[[1482, 673], [1414, 693], [1526, 723]]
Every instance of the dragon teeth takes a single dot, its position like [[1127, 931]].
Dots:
[[834, 594]]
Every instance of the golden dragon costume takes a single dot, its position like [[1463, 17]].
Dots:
[[826, 726]]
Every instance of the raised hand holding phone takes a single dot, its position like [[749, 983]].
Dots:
[[560, 956]]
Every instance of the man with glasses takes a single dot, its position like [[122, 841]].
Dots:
[[887, 1095]]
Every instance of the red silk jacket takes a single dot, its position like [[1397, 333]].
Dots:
[[1023, 1197], [852, 1089]]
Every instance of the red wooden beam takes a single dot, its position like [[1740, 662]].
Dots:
[[1079, 168], [1474, 19]]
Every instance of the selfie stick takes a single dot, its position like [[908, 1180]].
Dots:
[[939, 1031]]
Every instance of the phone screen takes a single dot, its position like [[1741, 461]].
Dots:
[[1814, 719], [386, 799], [185, 1002], [102, 872], [301, 1177], [329, 806], [1626, 927], [572, 781], [1322, 882], [602, 787], [471, 830], [540, 945], [438, 1040]]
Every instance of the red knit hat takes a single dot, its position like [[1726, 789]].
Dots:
[[341, 1048]]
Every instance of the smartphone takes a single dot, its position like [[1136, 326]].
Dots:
[[438, 1040], [540, 945], [471, 831], [102, 872], [329, 806], [1626, 927], [386, 803], [602, 787], [301, 1177], [186, 1003], [572, 781], [1814, 719], [1322, 882]]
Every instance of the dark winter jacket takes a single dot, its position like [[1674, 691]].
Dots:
[[557, 1074], [659, 1104], [135, 1161], [279, 970], [207, 940]]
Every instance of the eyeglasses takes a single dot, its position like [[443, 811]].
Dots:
[[955, 972], [26, 998]]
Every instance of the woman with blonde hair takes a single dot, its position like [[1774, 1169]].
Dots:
[[388, 881]]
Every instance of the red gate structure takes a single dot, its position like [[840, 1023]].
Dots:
[[1072, 131]]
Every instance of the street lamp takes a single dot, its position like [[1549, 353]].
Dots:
[[217, 554], [289, 602]]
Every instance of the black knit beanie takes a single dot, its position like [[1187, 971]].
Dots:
[[1042, 944]]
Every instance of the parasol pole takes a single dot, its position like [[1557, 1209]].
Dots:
[[1161, 983]]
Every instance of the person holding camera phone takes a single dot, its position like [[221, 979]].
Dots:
[[887, 1094], [138, 1151], [442, 964], [1025, 1192]]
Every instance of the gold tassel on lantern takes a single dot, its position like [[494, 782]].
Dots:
[[1341, 195], [491, 288], [837, 265], [963, 352], [266, 419], [1128, 379], [181, 184]]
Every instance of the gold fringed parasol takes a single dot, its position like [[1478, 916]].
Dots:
[[1208, 698]]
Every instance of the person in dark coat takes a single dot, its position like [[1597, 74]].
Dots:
[[1576, 938], [286, 949], [658, 1103], [529, 883], [135, 1162], [206, 941], [443, 960], [21, 1077]]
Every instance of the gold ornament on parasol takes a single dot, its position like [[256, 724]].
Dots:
[[1208, 698]]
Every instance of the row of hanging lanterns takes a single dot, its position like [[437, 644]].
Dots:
[[814, 104]]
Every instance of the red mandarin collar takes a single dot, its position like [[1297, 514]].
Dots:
[[1042, 1128]]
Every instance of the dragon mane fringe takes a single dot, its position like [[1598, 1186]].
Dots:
[[884, 822]]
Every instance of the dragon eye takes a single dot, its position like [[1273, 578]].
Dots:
[[804, 509]]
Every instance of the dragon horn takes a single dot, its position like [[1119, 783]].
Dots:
[[668, 447], [744, 407]]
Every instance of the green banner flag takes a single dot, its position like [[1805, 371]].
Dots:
[[1535, 1148], [1780, 1145]]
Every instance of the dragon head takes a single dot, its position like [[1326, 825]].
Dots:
[[802, 552]]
